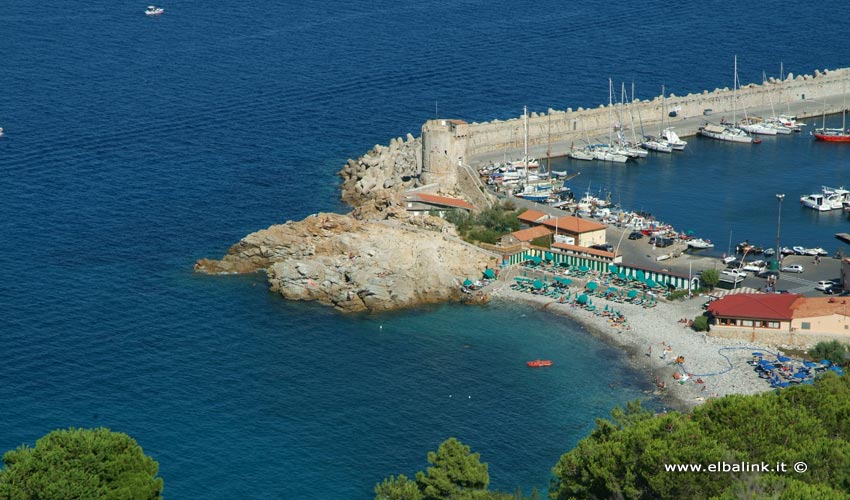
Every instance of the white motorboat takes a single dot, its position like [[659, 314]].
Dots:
[[757, 128], [659, 146], [700, 243], [815, 251], [724, 133], [607, 155], [815, 201], [580, 154], [798, 250], [154, 11], [673, 139]]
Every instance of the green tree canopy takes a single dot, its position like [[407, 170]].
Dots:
[[80, 464], [710, 277], [454, 468], [626, 456]]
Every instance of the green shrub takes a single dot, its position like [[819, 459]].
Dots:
[[701, 324], [832, 350]]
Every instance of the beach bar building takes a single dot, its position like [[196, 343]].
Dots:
[[781, 318]]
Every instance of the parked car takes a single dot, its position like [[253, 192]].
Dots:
[[823, 285], [793, 268], [603, 246], [734, 272], [660, 241], [635, 235]]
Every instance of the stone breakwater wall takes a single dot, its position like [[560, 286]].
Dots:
[[384, 169], [471, 140]]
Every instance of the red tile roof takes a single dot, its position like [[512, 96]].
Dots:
[[755, 306], [440, 200], [574, 224], [531, 216], [820, 306], [591, 251], [531, 233]]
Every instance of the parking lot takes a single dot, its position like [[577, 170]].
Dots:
[[804, 283]]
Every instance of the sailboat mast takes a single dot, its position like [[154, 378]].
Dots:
[[610, 117], [549, 147], [525, 142], [735, 92]]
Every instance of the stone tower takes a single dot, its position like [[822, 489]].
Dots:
[[443, 149]]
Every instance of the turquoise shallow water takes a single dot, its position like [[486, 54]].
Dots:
[[134, 146]]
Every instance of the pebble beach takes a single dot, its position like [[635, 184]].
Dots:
[[651, 332]]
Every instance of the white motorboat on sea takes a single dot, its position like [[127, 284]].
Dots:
[[700, 243], [153, 10]]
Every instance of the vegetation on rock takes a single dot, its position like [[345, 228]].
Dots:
[[488, 225]]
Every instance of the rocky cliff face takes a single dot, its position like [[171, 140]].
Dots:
[[357, 265]]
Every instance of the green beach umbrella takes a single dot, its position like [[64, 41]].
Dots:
[[611, 289], [632, 294], [592, 285], [584, 269], [519, 279], [547, 256], [537, 260], [566, 281], [467, 282], [640, 276], [612, 269], [537, 284], [622, 276], [582, 299], [489, 274], [651, 284]]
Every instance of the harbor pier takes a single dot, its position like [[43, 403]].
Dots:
[[450, 143]]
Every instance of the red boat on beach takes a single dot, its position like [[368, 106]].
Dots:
[[537, 363]]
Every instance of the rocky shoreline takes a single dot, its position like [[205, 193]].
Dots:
[[357, 265]]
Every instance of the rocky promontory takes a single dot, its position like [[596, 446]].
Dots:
[[354, 264]]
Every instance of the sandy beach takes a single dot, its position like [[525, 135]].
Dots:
[[651, 332]]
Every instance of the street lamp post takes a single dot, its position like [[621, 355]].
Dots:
[[778, 220], [778, 255]]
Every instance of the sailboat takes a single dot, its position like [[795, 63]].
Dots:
[[727, 131], [834, 134], [609, 152], [656, 143]]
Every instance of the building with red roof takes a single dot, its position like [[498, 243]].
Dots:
[[525, 235], [423, 203], [583, 231], [532, 217], [787, 318]]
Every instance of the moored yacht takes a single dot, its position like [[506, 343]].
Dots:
[[673, 139], [154, 11], [815, 201], [724, 133]]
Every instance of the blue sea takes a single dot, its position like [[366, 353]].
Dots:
[[136, 145]]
